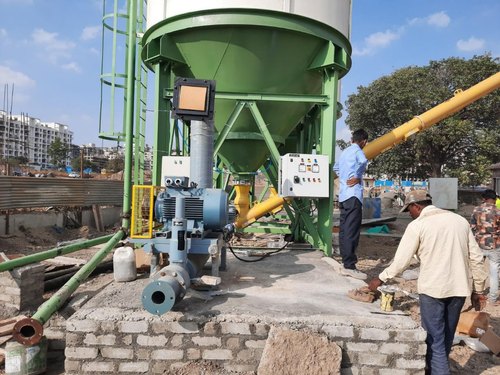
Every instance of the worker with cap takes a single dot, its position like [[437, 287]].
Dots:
[[449, 258]]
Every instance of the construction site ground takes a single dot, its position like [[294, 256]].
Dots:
[[330, 298]]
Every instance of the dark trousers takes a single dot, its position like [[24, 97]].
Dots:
[[350, 225], [439, 319]]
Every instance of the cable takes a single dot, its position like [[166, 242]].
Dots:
[[259, 259]]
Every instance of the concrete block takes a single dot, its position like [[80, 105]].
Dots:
[[126, 340], [118, 353], [339, 331], [108, 326], [374, 334], [144, 340], [362, 347], [143, 354], [134, 367], [71, 366], [193, 354], [246, 355], [82, 326], [373, 359], [159, 327], [160, 368], [294, 352], [235, 328], [233, 343], [391, 371], [80, 353], [411, 335], [394, 348], [133, 327], [176, 341], [166, 354], [207, 341], [404, 363], [422, 349], [73, 339], [183, 327], [54, 334], [217, 354], [255, 344], [91, 339], [261, 330], [92, 367], [210, 328]]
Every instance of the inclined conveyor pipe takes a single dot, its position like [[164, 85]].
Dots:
[[391, 139], [52, 253]]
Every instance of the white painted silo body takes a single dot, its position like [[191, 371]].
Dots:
[[334, 13]]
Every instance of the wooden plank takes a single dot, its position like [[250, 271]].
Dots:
[[4, 339], [7, 328], [7, 321], [97, 217], [66, 261]]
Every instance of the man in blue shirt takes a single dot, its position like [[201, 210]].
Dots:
[[350, 169]]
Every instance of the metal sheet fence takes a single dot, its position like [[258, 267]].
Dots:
[[30, 192]]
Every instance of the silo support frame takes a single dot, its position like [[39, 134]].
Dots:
[[327, 129], [162, 134]]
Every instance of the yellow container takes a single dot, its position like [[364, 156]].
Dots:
[[387, 300]]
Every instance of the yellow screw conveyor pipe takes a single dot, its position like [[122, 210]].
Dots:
[[432, 116], [421, 122]]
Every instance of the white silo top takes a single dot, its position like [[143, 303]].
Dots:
[[335, 13]]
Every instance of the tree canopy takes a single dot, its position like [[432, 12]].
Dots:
[[58, 152], [463, 145]]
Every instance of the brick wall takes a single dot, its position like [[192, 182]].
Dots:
[[155, 345], [22, 288]]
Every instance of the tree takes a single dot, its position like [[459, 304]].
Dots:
[[76, 164], [458, 145], [58, 152], [115, 165]]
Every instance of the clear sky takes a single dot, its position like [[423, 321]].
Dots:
[[50, 50]]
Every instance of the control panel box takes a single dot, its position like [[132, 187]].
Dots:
[[304, 175], [175, 166]]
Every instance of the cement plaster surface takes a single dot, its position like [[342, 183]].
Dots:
[[294, 286]]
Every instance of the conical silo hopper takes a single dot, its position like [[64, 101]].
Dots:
[[276, 49]]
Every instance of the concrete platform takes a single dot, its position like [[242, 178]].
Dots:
[[295, 289]]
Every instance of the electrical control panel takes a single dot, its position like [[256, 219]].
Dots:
[[304, 175], [175, 166]]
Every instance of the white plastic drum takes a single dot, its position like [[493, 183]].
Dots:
[[124, 268]]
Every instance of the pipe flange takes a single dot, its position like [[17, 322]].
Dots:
[[158, 297], [28, 331]]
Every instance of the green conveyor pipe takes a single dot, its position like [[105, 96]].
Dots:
[[29, 331], [52, 253]]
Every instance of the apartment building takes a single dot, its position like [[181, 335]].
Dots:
[[26, 136]]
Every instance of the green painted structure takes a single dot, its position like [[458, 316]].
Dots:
[[276, 79]]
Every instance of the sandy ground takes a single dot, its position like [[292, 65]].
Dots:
[[375, 253]]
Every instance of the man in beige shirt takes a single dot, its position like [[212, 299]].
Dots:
[[451, 269]]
